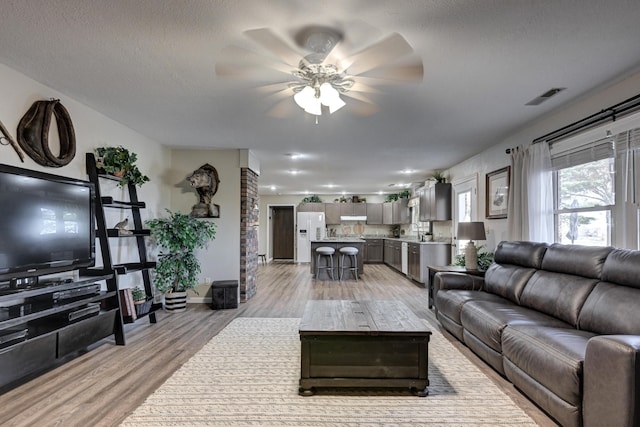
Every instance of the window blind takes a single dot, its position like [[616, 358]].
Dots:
[[591, 152]]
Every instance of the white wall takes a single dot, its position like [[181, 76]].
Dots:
[[496, 158], [221, 260], [92, 130]]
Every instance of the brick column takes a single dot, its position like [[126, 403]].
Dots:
[[248, 234]]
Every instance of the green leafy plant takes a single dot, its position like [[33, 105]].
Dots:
[[484, 259], [138, 294], [397, 196], [178, 236], [438, 176], [120, 162], [312, 199]]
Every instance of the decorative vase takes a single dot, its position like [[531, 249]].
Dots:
[[175, 302]]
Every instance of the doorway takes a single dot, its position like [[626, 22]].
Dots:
[[283, 231]]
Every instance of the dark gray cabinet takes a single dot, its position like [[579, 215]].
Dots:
[[353, 209], [401, 212], [387, 213], [374, 251], [332, 213], [374, 214], [396, 212], [422, 255], [311, 207], [435, 202], [393, 253]]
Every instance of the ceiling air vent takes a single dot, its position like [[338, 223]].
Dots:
[[548, 94]]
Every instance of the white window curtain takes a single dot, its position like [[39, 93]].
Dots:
[[627, 147], [530, 214]]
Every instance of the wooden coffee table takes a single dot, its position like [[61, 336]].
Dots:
[[363, 344]]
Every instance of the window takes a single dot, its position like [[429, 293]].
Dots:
[[584, 184]]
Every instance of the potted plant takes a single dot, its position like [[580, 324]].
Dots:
[[177, 267], [120, 162], [484, 259], [140, 301], [438, 177]]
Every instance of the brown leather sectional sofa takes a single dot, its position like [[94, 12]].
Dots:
[[561, 322]]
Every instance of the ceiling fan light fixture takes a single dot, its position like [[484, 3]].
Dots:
[[330, 97]]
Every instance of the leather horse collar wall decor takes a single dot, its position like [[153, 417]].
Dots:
[[33, 133]]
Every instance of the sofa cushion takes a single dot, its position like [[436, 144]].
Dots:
[[450, 303], [487, 319], [585, 261], [552, 356], [525, 254], [507, 280], [622, 266], [612, 309], [556, 294]]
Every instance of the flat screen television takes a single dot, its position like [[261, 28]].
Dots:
[[47, 223]]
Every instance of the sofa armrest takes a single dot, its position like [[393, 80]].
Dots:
[[463, 281], [612, 381]]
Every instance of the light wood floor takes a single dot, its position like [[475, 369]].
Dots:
[[103, 386]]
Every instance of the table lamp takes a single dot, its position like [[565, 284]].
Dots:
[[471, 231]]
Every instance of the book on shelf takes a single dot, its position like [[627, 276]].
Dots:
[[126, 303]]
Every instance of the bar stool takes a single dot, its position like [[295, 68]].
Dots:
[[325, 252], [352, 255], [263, 258]]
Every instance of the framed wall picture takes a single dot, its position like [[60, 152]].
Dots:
[[497, 191]]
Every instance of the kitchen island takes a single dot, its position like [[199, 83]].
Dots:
[[337, 244]]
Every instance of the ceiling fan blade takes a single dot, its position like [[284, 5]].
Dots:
[[282, 109], [360, 97], [286, 92], [384, 52], [240, 62], [274, 44], [363, 109], [360, 86], [401, 73]]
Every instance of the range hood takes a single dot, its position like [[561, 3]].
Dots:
[[353, 218]]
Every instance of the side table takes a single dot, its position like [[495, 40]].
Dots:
[[433, 269]]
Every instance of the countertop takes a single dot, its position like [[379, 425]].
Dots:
[[340, 240], [353, 239], [415, 240]]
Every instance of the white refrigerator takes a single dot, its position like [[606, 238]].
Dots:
[[310, 226]]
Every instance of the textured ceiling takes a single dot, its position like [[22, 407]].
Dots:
[[150, 65]]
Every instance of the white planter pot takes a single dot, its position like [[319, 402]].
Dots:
[[175, 302]]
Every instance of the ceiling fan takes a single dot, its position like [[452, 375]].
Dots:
[[320, 70]]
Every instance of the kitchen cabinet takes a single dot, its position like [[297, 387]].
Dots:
[[435, 202], [353, 209], [332, 213], [374, 251], [311, 207], [387, 213], [421, 255], [401, 212], [374, 214], [393, 253], [396, 212]]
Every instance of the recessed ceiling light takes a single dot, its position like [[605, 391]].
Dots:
[[294, 172], [273, 188], [294, 156], [407, 171]]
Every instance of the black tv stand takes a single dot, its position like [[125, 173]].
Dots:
[[39, 331]]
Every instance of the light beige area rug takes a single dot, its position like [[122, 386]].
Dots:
[[248, 376]]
